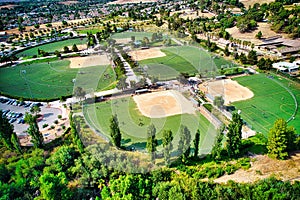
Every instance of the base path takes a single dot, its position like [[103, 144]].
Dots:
[[163, 104]]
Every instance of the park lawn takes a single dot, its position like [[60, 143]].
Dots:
[[95, 78], [171, 63], [52, 47], [201, 60], [92, 30], [270, 102], [134, 125], [50, 81], [185, 59], [127, 34]]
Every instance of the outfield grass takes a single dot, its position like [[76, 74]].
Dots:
[[270, 102], [169, 66], [134, 125], [127, 34], [52, 47], [185, 59], [50, 81]]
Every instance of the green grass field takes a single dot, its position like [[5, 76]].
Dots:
[[51, 47], [134, 125], [270, 102], [50, 81], [184, 59], [127, 34]]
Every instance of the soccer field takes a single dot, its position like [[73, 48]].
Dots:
[[52, 47], [184, 59], [51, 81], [271, 101], [134, 125]]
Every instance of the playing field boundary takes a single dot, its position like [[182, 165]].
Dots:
[[295, 101]]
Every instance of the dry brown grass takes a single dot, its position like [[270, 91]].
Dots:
[[130, 1], [9, 6], [248, 3], [265, 28], [262, 167], [68, 2], [188, 13]]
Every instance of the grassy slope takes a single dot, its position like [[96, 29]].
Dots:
[[98, 116], [267, 104], [51, 47], [51, 81]]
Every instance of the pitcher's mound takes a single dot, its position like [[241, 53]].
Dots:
[[163, 104]]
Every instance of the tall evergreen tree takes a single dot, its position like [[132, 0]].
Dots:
[[115, 132], [234, 135], [151, 141], [167, 144], [33, 130], [184, 142], [7, 134], [197, 143], [217, 148], [281, 139]]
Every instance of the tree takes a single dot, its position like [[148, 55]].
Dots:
[[281, 139], [219, 101], [234, 135], [66, 49], [33, 130], [166, 141], [197, 143], [151, 141], [258, 35], [115, 132], [252, 57], [184, 142], [54, 186], [7, 134], [74, 48], [217, 148], [79, 92], [122, 84], [35, 109], [226, 51]]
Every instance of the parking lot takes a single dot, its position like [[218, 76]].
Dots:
[[15, 111]]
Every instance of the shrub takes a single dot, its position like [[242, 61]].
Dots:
[[56, 122], [45, 125], [52, 127], [59, 116]]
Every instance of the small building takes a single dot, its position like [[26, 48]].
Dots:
[[286, 67]]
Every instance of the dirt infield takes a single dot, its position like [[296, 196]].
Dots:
[[146, 54], [163, 104], [81, 62], [228, 88]]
